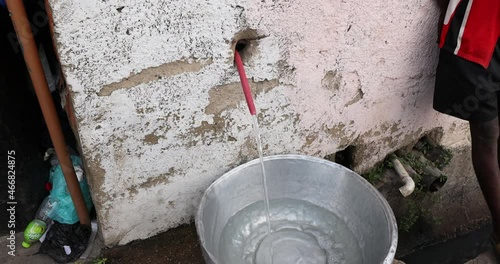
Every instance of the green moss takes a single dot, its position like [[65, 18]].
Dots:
[[415, 209], [377, 173], [411, 217], [414, 162], [418, 207], [100, 261], [440, 156]]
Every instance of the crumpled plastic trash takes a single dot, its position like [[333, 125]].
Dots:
[[65, 243], [65, 211]]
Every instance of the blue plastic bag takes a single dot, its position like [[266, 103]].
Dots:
[[65, 211]]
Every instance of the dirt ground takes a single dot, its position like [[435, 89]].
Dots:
[[179, 245]]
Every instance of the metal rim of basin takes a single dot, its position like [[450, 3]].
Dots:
[[391, 219]]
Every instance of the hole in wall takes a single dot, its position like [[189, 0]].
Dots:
[[246, 42], [345, 157], [247, 49], [241, 45]]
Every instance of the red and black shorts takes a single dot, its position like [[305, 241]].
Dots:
[[467, 90]]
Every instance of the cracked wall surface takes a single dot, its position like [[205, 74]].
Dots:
[[160, 113]]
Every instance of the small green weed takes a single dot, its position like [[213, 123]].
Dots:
[[375, 174], [100, 261], [411, 217]]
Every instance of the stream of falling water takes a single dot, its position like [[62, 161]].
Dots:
[[264, 177]]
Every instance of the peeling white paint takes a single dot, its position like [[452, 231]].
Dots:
[[382, 50]]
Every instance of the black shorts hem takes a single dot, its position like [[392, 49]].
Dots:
[[472, 119], [465, 89]]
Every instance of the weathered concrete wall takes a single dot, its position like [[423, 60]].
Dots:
[[160, 112]]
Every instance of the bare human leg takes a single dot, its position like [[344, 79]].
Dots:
[[486, 165]]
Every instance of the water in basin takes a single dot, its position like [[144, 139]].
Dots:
[[302, 233]]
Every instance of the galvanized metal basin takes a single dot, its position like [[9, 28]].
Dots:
[[318, 181]]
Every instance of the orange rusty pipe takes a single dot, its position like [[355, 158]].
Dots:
[[35, 69]]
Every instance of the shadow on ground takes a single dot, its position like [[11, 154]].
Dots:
[[453, 251]]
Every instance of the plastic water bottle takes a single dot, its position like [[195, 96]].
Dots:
[[36, 228]]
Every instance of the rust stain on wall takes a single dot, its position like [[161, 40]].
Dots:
[[151, 182], [311, 138], [95, 178], [206, 128], [228, 96], [152, 139], [154, 73], [338, 132], [247, 151]]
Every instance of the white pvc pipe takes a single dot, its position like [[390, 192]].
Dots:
[[409, 184]]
